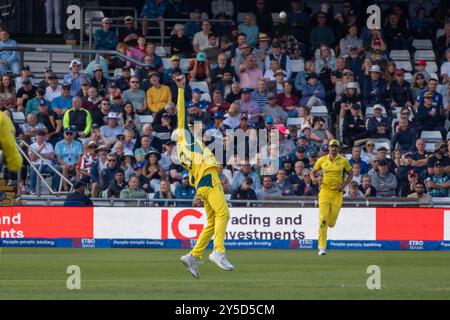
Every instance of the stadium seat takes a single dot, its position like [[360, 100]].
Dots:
[[89, 15], [422, 44], [430, 146], [202, 85], [405, 65], [184, 63], [206, 97], [431, 67], [118, 73], [433, 75], [241, 16], [294, 122], [400, 55], [160, 51], [146, 119], [18, 117], [369, 112], [167, 63], [424, 54], [162, 135], [382, 143], [319, 111], [431, 136], [298, 65]]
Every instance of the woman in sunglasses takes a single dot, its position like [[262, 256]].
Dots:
[[419, 85], [368, 152]]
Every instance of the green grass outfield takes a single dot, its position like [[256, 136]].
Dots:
[[258, 274]]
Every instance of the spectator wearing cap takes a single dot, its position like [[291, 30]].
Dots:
[[105, 62], [142, 180], [396, 33], [354, 127], [200, 41], [45, 150], [63, 102], [199, 68], [74, 77], [180, 44], [196, 99], [313, 93], [54, 89], [99, 81], [174, 64], [438, 182], [400, 91], [68, 153], [250, 74], [152, 169], [322, 33], [436, 98], [51, 120], [184, 191], [124, 80], [24, 94], [117, 103], [78, 197], [350, 96], [374, 87], [105, 38], [217, 131], [9, 60], [428, 116], [420, 68], [217, 104], [164, 128], [158, 95], [249, 107], [384, 181], [33, 104], [31, 128], [441, 156], [274, 111], [404, 137], [283, 59], [78, 117], [129, 35], [378, 125], [110, 131], [25, 73], [127, 162]]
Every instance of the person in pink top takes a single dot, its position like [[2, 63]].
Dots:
[[250, 74]]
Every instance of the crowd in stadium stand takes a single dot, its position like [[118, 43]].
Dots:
[[89, 126]]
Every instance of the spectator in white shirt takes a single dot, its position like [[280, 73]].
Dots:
[[445, 68], [200, 41]]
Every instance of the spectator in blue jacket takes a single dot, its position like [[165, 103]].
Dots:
[[9, 60], [428, 116], [184, 191], [105, 38], [153, 9], [374, 88], [74, 77]]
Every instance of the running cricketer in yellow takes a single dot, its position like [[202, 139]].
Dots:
[[203, 170], [13, 158], [333, 167]]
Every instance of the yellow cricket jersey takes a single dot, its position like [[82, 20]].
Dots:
[[13, 158], [195, 157], [333, 170]]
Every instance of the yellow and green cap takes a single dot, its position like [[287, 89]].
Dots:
[[334, 142]]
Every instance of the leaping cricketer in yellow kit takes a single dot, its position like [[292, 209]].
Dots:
[[203, 170], [333, 167]]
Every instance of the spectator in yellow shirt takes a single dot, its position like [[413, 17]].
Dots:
[[158, 95]]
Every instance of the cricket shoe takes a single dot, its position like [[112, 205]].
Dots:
[[221, 260], [190, 263], [322, 252]]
